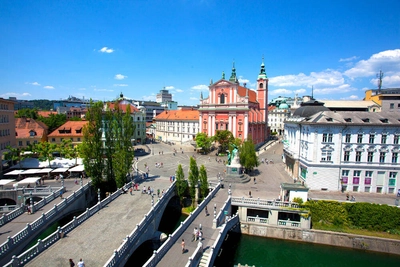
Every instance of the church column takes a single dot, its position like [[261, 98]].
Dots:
[[212, 125], [200, 124], [246, 126], [230, 123], [234, 127]]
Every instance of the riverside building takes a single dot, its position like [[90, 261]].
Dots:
[[344, 151]]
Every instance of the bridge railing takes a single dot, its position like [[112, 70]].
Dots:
[[132, 240], [231, 222], [196, 256], [30, 229], [257, 202], [18, 210], [160, 253], [219, 219]]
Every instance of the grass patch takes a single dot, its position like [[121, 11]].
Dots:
[[188, 210]]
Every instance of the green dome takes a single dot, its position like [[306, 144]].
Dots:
[[283, 106]]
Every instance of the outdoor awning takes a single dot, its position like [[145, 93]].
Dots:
[[45, 170], [14, 172], [30, 171], [79, 168], [60, 170], [6, 181], [30, 180]]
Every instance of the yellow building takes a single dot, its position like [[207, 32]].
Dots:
[[72, 130], [29, 132], [388, 99]]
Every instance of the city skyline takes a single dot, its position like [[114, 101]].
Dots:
[[51, 50]]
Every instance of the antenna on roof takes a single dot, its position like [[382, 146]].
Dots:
[[312, 92], [379, 76]]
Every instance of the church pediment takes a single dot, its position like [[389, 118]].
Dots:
[[222, 83]]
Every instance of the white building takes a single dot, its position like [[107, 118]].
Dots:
[[177, 126], [348, 151]]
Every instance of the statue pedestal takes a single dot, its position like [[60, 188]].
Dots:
[[233, 173]]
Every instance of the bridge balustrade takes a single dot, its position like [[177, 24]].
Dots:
[[196, 256], [257, 219], [242, 201], [20, 210], [289, 223], [31, 228], [159, 254], [42, 245], [131, 242], [221, 215], [231, 222]]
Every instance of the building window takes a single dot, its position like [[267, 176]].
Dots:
[[391, 105], [346, 156], [359, 138], [370, 157], [345, 176], [324, 138], [79, 139], [19, 143], [261, 85], [392, 178], [394, 157], [368, 177], [303, 173], [326, 156], [396, 139], [382, 157], [383, 139], [28, 143], [216, 126], [222, 99], [358, 156], [371, 138]]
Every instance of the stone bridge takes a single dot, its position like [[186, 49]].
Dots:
[[108, 233], [14, 245]]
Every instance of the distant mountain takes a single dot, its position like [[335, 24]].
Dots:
[[43, 104]]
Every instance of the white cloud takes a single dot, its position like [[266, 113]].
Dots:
[[348, 59], [325, 78], [344, 88], [103, 90], [200, 87], [48, 87], [352, 97], [34, 83], [385, 60], [179, 91], [120, 84], [193, 98], [120, 77], [149, 97], [169, 87], [300, 91], [106, 50], [281, 91], [17, 95]]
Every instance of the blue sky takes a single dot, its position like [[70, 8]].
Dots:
[[97, 49]]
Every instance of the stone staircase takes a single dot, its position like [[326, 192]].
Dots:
[[204, 260]]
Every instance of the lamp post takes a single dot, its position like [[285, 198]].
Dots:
[[98, 194], [31, 202]]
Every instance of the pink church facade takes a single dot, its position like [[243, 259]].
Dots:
[[242, 111]]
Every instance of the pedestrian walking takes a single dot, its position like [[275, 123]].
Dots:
[[130, 190], [254, 180], [249, 194], [200, 236], [183, 246], [206, 210], [81, 263], [158, 192], [71, 263]]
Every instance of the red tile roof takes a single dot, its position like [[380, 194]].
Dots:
[[23, 127], [69, 129], [252, 94], [123, 107], [46, 113], [178, 115]]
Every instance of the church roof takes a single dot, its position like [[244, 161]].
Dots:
[[178, 115]]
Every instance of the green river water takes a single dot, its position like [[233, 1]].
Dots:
[[263, 252]]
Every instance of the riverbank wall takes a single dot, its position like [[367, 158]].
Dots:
[[367, 243]]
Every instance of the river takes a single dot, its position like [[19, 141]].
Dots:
[[263, 252]]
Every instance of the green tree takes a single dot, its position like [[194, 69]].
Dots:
[[181, 183], [203, 181], [45, 151], [203, 141], [53, 121], [92, 146], [69, 150], [193, 179], [27, 113], [224, 138], [247, 155], [15, 154]]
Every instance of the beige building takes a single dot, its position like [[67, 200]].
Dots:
[[70, 130], [29, 132], [7, 128]]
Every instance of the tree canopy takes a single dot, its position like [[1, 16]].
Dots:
[[203, 141], [224, 138], [193, 178], [203, 181], [181, 183], [247, 155]]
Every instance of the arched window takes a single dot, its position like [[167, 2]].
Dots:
[[222, 99], [261, 85]]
